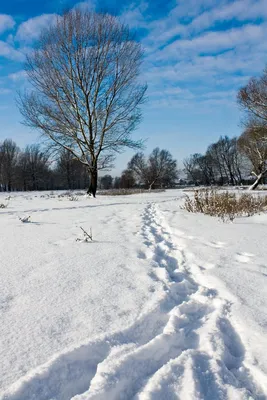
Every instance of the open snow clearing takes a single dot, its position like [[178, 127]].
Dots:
[[147, 310]]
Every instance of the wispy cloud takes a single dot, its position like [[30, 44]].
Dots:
[[205, 45], [4, 91], [8, 51], [6, 22], [30, 29], [240, 10], [199, 48], [87, 5], [214, 42], [134, 15], [17, 76]]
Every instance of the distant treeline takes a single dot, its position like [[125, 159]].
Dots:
[[224, 163], [33, 169]]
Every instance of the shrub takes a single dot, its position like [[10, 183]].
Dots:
[[2, 205], [225, 205]]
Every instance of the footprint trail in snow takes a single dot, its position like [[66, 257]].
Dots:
[[185, 347]]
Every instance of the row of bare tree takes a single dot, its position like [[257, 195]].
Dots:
[[158, 170], [33, 169], [222, 163], [237, 160], [233, 161]]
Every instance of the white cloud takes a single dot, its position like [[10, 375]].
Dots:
[[6, 22], [7, 51], [211, 70], [175, 24], [86, 5], [225, 94], [30, 29], [192, 8], [213, 42], [17, 76], [134, 15], [4, 91], [241, 10]]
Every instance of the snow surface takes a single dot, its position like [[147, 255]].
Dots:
[[162, 304]]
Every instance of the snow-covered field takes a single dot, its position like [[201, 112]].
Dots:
[[161, 305]]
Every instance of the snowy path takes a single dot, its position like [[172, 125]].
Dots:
[[184, 347]]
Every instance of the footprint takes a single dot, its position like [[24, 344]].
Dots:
[[141, 255], [216, 245], [248, 254], [212, 293], [207, 266], [243, 257], [5, 302]]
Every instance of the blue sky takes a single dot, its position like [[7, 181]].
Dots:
[[198, 53]]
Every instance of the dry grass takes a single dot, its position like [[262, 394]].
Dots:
[[199, 189], [126, 192], [225, 205]]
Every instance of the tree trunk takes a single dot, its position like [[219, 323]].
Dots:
[[93, 182], [68, 176], [257, 181]]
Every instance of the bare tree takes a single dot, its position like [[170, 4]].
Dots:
[[70, 172], [192, 169], [138, 166], [86, 94], [253, 97], [65, 167], [127, 180], [9, 156], [106, 182], [159, 170], [162, 169], [253, 143], [226, 151], [206, 168], [214, 151], [1, 167], [33, 167], [117, 182]]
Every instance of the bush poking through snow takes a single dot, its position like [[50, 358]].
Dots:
[[225, 205], [2, 205], [86, 236], [25, 219]]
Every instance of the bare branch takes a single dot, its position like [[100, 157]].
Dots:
[[85, 94]]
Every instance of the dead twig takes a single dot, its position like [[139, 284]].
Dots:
[[86, 236], [25, 219]]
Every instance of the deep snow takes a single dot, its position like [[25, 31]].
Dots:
[[161, 305]]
